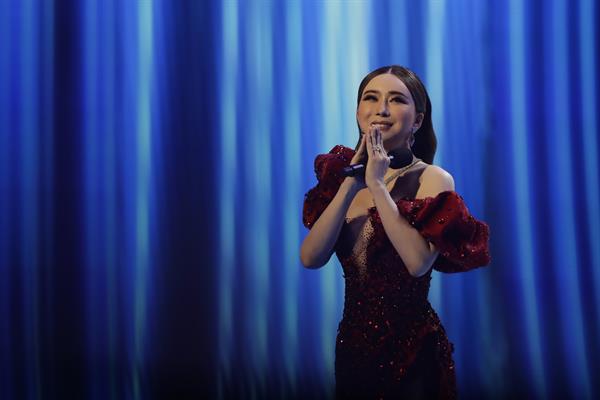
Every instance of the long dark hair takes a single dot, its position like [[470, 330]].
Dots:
[[425, 141]]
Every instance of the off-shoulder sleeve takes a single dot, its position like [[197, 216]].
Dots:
[[328, 169], [445, 221]]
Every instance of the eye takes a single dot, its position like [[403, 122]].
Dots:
[[369, 97], [399, 99]]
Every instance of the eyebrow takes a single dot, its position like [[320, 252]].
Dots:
[[390, 92]]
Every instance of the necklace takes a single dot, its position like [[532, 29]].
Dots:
[[401, 171]]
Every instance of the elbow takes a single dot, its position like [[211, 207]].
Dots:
[[309, 261], [417, 271], [420, 267]]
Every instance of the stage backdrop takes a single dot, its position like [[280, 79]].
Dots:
[[154, 157]]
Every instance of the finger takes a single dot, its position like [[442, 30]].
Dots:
[[374, 135], [380, 144], [383, 149], [363, 142], [369, 141], [362, 149], [380, 140]]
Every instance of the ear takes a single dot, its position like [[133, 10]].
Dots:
[[418, 121]]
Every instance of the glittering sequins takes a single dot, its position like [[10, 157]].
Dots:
[[389, 336]]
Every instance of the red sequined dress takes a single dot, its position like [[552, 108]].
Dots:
[[390, 342]]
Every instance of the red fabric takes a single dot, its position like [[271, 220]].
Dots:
[[328, 168], [390, 342], [444, 220]]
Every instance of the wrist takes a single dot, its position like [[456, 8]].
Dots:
[[377, 188], [351, 184]]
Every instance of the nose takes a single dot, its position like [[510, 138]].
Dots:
[[383, 109]]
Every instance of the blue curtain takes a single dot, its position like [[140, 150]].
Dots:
[[154, 158]]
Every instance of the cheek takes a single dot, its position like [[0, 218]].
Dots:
[[363, 117], [408, 114], [362, 111]]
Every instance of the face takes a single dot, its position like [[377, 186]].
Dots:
[[386, 103]]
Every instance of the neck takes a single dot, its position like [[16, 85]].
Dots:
[[391, 172]]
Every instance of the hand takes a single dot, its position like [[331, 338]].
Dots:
[[361, 154], [360, 157], [379, 161]]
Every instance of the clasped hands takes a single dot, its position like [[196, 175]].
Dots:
[[378, 161]]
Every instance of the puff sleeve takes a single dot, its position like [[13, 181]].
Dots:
[[445, 221], [328, 169]]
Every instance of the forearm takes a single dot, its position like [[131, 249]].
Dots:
[[318, 245], [413, 249]]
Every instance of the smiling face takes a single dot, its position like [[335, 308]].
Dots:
[[386, 103]]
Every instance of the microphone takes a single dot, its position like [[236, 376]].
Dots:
[[398, 159]]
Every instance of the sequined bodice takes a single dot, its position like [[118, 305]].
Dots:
[[380, 294]]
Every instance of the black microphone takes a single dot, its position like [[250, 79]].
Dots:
[[398, 159]]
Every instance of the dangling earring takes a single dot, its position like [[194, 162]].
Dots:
[[412, 138]]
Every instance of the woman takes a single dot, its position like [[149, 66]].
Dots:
[[389, 229]]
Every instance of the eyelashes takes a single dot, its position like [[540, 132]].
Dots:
[[371, 97]]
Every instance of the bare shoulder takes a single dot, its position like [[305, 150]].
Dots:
[[434, 180]]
